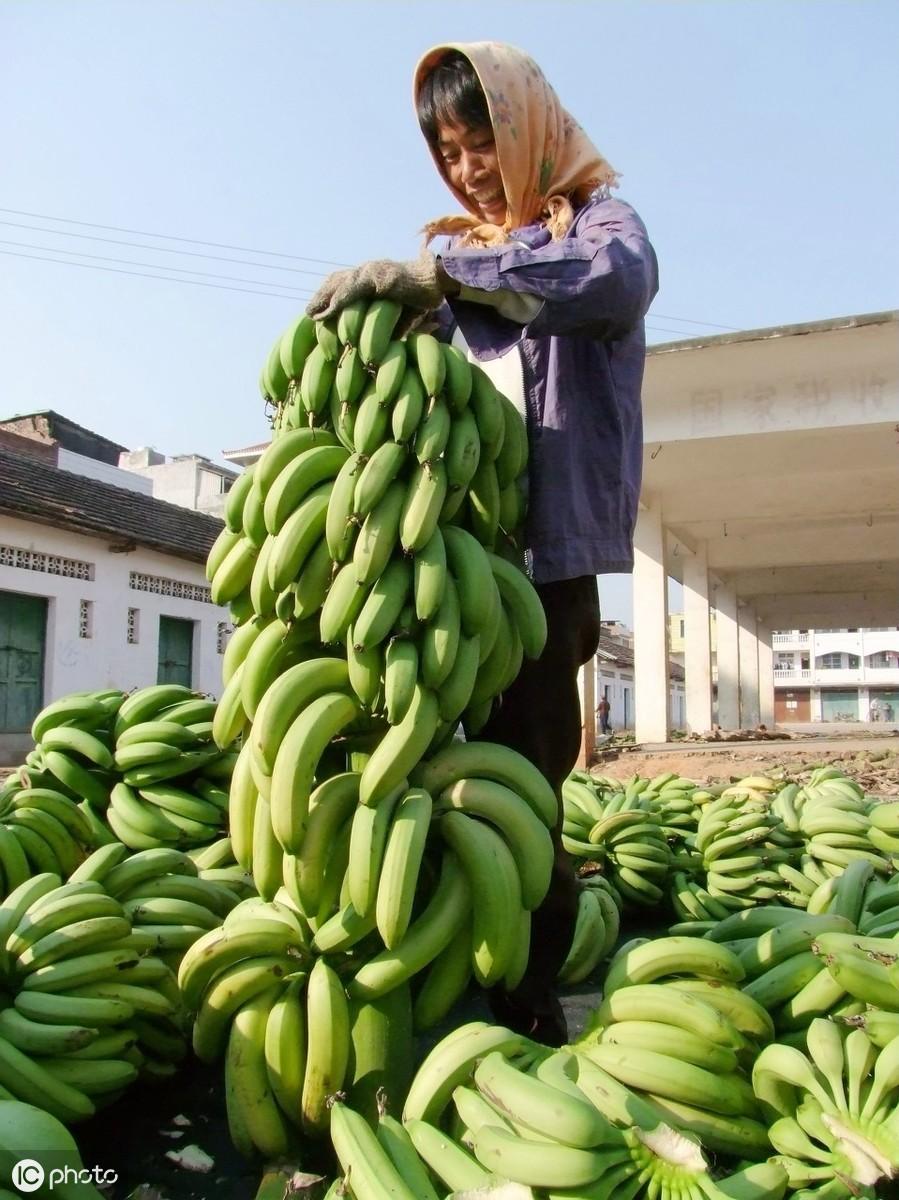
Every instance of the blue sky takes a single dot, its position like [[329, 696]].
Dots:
[[755, 137]]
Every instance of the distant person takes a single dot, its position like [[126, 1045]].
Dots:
[[888, 712], [874, 710], [603, 710]]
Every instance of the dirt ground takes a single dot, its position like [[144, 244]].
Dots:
[[873, 761]]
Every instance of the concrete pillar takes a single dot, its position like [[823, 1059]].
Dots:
[[650, 626], [766, 677], [697, 643], [728, 658], [587, 688], [749, 667]]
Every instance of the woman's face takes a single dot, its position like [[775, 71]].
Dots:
[[472, 166]]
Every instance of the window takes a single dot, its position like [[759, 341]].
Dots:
[[133, 626], [222, 636], [86, 619], [162, 586], [830, 662], [854, 662], [50, 564], [681, 625]]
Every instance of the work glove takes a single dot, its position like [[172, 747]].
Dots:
[[419, 285]]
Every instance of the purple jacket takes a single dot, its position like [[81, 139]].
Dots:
[[582, 358]]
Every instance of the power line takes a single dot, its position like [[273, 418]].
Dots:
[[325, 262], [690, 321], [222, 287], [92, 237], [128, 262]]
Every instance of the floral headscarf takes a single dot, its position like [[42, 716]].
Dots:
[[547, 162]]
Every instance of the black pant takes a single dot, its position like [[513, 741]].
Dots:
[[540, 716]]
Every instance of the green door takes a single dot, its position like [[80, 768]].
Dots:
[[176, 642], [23, 631]]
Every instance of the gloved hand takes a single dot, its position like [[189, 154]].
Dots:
[[419, 284]]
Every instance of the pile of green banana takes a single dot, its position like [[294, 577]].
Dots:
[[488, 1108], [89, 974], [141, 769], [834, 1111]]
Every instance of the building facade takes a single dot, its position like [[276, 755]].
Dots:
[[100, 586], [836, 675]]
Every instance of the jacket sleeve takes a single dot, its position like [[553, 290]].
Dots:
[[597, 282]]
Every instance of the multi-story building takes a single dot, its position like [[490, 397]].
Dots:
[[836, 675]]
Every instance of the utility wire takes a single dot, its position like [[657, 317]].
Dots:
[[92, 237], [131, 263], [226, 246], [325, 262], [223, 287]]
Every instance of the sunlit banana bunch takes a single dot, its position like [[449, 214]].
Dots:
[[676, 1027], [92, 999], [864, 967], [143, 769], [742, 844], [622, 833], [596, 928], [835, 1120]]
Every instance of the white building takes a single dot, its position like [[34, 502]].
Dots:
[[100, 586], [771, 493], [188, 480], [836, 675]]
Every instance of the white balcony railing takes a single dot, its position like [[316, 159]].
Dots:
[[791, 674], [790, 639]]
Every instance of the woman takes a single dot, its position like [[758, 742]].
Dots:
[[545, 283]]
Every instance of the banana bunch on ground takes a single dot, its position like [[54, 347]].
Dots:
[[596, 929], [864, 967], [742, 845], [142, 769], [832, 815], [26, 1129], [692, 1063], [622, 833], [834, 1110], [89, 971], [41, 829]]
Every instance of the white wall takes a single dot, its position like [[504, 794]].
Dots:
[[106, 659], [92, 468], [618, 681]]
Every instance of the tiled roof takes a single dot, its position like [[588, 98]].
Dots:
[[32, 490], [623, 656]]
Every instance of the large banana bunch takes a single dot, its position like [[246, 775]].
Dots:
[[834, 1110]]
